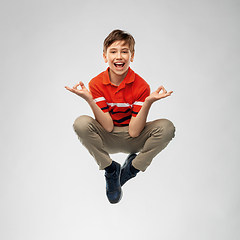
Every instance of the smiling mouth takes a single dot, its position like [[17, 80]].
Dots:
[[119, 65]]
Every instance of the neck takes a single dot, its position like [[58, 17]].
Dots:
[[116, 79]]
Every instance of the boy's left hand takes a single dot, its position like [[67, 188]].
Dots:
[[160, 93]]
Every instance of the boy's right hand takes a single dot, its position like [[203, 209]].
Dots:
[[83, 92]]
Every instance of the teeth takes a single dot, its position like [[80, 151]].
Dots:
[[119, 63]]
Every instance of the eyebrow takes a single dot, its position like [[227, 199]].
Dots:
[[121, 49]]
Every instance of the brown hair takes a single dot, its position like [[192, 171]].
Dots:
[[119, 35]]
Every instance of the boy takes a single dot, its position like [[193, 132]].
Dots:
[[120, 100]]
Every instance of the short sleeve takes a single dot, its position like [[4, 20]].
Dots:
[[98, 96], [137, 105]]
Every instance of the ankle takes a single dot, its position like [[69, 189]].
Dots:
[[111, 168], [133, 169]]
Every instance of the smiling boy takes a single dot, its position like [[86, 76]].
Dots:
[[120, 100]]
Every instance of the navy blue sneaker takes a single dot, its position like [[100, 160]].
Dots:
[[113, 187], [126, 174]]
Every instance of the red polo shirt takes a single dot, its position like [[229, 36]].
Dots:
[[123, 101]]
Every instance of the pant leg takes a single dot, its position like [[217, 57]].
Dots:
[[97, 140], [152, 140]]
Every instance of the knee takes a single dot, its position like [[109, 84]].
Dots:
[[81, 125], [166, 128]]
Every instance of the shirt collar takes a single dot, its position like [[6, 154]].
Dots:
[[130, 77]]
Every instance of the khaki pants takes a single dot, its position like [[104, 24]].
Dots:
[[153, 139]]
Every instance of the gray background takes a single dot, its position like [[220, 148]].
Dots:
[[51, 188]]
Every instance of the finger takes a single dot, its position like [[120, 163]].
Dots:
[[76, 85], [168, 94], [164, 90], [159, 89], [69, 89], [82, 85]]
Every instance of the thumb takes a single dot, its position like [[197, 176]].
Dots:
[[82, 85], [159, 89]]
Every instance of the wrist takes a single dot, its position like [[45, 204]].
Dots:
[[149, 100]]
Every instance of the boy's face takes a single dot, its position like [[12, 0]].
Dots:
[[118, 57]]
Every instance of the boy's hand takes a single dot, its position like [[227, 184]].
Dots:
[[160, 93], [84, 93]]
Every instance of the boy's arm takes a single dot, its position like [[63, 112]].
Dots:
[[137, 123], [103, 118]]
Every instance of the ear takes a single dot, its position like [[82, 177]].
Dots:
[[105, 57], [132, 57]]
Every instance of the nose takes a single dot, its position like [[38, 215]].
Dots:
[[119, 55]]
